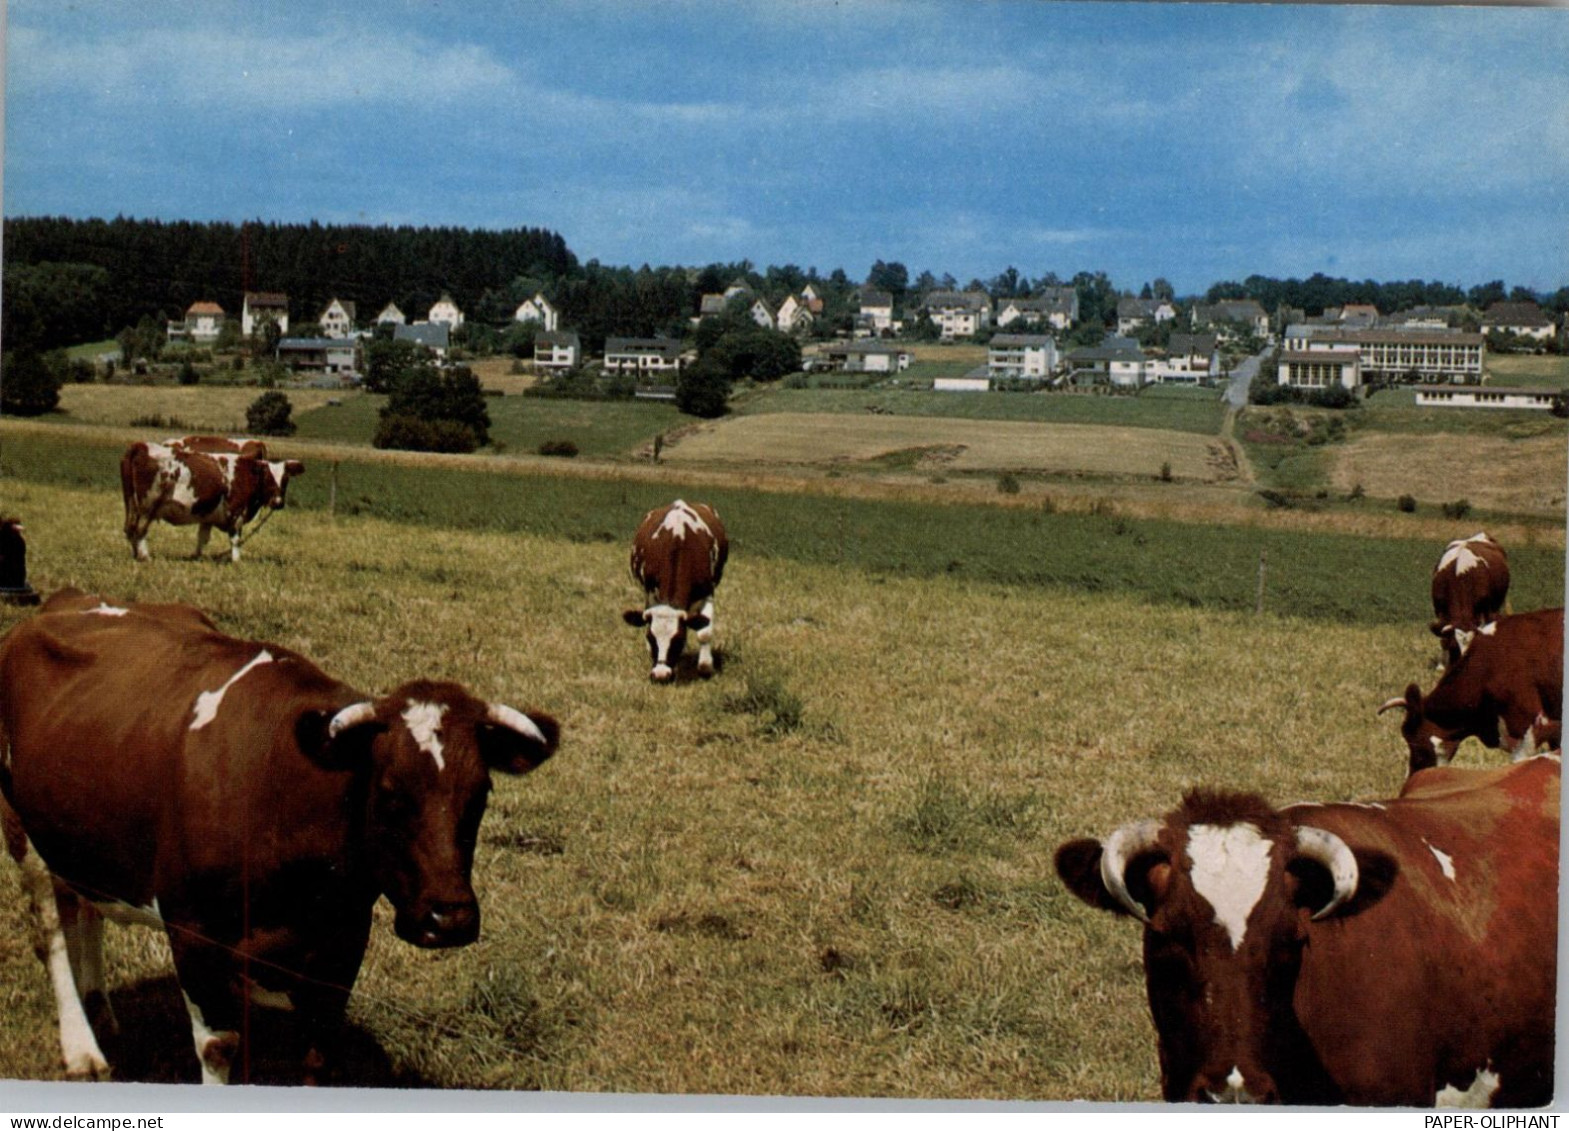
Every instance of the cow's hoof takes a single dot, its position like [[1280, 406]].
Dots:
[[706, 670], [87, 1068]]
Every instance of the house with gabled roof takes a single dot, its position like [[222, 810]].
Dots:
[[1021, 357], [643, 357], [1190, 358], [391, 315], [257, 307], [434, 336], [794, 315], [1523, 319], [1230, 315], [1057, 307], [865, 357], [445, 311], [538, 310], [337, 321], [1117, 361], [1134, 313], [202, 323], [874, 312]]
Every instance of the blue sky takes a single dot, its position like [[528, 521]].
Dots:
[[1190, 141]]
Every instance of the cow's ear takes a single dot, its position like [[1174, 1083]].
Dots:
[[1078, 864], [514, 743], [338, 739], [698, 622], [637, 618], [293, 467]]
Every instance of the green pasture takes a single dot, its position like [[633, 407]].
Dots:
[[1518, 370], [828, 871], [1395, 410], [1313, 575], [1185, 410]]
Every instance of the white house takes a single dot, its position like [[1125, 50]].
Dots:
[[320, 355], [965, 384], [1320, 368], [866, 357], [538, 309], [1523, 319], [337, 321], [391, 315], [1132, 313], [432, 335], [202, 322], [258, 307], [445, 312], [1224, 317], [760, 313], [1190, 358], [555, 350], [644, 357], [794, 314], [1485, 396], [1116, 360], [959, 314], [875, 312], [1021, 357], [1057, 307]]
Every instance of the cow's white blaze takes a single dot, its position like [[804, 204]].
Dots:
[[1459, 553], [1446, 862], [1230, 866], [105, 609], [208, 702], [682, 518], [424, 723], [1236, 1089], [1478, 1095], [664, 624], [1489, 629]]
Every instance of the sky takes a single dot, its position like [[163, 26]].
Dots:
[[1190, 142]]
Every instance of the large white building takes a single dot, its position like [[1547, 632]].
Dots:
[[1394, 353], [1021, 357]]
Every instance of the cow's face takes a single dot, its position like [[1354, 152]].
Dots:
[[428, 751], [1226, 899], [277, 474], [1427, 743], [666, 630]]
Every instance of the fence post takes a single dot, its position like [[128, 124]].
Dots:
[[332, 492], [1259, 610]]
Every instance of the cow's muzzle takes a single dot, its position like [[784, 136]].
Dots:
[[1233, 1087], [442, 925]]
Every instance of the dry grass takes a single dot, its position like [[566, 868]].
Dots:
[[828, 871], [936, 445], [1514, 475], [214, 409]]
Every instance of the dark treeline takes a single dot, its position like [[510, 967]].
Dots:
[[1319, 292], [69, 281]]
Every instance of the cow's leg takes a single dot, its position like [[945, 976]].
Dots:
[[203, 532], [705, 641], [234, 545], [136, 526], [216, 1049], [84, 940], [79, 1050]]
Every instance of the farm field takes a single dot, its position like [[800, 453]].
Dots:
[[1528, 370], [1525, 475], [825, 872], [942, 444]]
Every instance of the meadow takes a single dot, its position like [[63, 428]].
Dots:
[[828, 870]]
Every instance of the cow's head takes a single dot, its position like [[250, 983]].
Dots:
[[666, 628], [426, 752], [1428, 742], [1226, 888], [278, 474]]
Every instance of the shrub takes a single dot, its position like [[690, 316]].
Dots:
[[452, 396], [188, 374], [269, 415], [412, 434], [565, 448], [1165, 472], [1357, 492], [27, 387], [1457, 509], [1008, 483], [702, 389], [1406, 504]]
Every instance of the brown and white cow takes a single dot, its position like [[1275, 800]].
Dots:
[[678, 557], [1396, 953], [220, 445], [1506, 690], [155, 770], [1470, 586], [182, 484]]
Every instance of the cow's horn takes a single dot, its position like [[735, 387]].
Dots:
[[513, 719], [355, 714], [1332, 852], [1391, 704], [1119, 848]]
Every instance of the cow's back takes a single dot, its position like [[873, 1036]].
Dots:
[[1470, 584], [679, 553], [1454, 959], [126, 737]]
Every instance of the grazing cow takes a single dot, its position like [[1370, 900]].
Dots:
[[14, 587], [181, 485], [155, 770], [678, 557], [1506, 689], [1395, 953], [1470, 584]]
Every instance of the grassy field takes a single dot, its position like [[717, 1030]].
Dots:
[[1186, 410], [1528, 370], [827, 871]]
